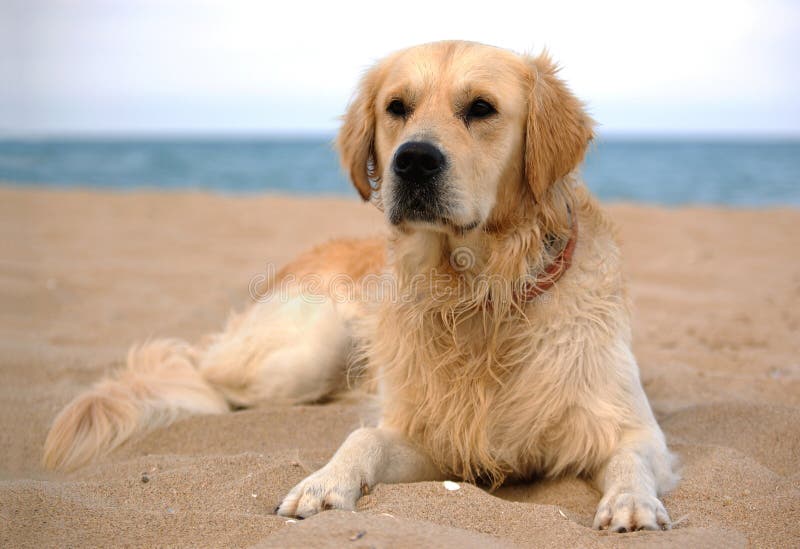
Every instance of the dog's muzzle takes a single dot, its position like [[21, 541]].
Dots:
[[418, 167]]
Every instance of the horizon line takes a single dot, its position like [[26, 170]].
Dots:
[[328, 134]]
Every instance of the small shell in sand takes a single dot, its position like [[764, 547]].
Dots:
[[451, 486]]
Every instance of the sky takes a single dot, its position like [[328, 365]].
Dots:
[[288, 67]]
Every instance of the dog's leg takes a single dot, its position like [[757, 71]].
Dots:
[[293, 351], [369, 456], [632, 479]]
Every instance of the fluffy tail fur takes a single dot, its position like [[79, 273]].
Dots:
[[159, 383], [294, 351]]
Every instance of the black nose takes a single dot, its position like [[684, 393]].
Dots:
[[418, 162]]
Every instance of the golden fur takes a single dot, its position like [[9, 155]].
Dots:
[[475, 382]]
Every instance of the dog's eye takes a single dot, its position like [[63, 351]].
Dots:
[[480, 108], [397, 108]]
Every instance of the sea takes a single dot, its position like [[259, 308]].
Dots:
[[665, 171]]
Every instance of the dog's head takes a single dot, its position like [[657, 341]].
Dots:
[[454, 133]]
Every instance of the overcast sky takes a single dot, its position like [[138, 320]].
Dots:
[[150, 66]]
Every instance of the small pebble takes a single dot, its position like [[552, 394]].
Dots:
[[727, 500], [358, 535], [450, 485], [254, 495], [145, 478]]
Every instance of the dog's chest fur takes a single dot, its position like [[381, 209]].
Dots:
[[493, 396]]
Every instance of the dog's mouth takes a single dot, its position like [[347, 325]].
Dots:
[[462, 229], [416, 211], [430, 219], [429, 207]]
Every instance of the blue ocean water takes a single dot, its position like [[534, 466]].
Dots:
[[658, 171]]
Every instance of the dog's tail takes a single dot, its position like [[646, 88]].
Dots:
[[159, 383]]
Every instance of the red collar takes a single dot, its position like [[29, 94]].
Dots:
[[548, 277]]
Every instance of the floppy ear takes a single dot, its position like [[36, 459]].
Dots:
[[558, 129], [356, 137]]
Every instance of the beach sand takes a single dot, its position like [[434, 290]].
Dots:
[[84, 274]]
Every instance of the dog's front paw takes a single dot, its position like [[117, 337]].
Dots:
[[628, 512], [325, 489]]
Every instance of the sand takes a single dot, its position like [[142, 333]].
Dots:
[[83, 274]]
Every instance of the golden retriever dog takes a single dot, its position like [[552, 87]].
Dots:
[[493, 322]]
